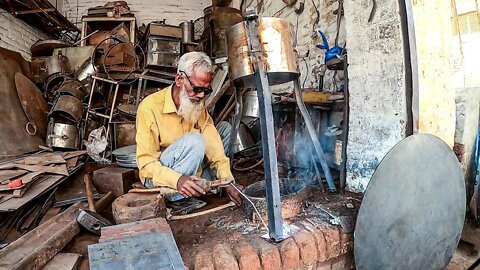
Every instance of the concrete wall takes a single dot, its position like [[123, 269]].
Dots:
[[174, 11], [467, 121], [378, 113], [436, 95], [18, 36]]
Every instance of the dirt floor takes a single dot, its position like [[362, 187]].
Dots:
[[464, 257]]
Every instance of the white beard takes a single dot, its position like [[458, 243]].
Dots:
[[189, 111]]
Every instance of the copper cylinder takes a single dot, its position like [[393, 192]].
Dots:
[[68, 107], [280, 60]]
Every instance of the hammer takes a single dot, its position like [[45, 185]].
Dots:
[[204, 184]]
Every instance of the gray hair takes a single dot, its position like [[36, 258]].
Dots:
[[194, 59]]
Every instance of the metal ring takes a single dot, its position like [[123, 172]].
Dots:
[[32, 125]]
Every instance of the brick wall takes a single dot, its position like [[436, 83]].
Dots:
[[16, 35], [145, 11]]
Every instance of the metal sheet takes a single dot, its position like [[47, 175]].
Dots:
[[14, 139], [413, 210], [33, 103], [147, 244]]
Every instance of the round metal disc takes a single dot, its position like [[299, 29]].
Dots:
[[33, 103], [46, 47], [412, 214], [125, 151]]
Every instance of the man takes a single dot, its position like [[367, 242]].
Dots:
[[176, 137]]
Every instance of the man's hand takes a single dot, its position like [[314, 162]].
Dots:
[[234, 194], [187, 187]]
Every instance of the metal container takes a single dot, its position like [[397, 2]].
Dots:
[[187, 31], [68, 107], [244, 139], [279, 58], [72, 87], [162, 52], [251, 110], [62, 136], [57, 64], [221, 19]]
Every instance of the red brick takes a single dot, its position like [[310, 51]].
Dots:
[[307, 247], [204, 261], [246, 257], [223, 258], [268, 253], [332, 238], [344, 262], [324, 266], [346, 240], [290, 254], [322, 252]]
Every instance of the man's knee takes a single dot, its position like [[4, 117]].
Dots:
[[224, 129], [195, 143]]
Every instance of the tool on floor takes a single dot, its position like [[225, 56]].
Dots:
[[89, 219]]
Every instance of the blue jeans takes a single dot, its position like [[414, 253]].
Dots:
[[187, 153]]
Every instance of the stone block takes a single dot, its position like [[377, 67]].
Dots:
[[135, 207]]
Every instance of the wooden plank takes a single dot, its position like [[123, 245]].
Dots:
[[64, 261], [37, 247]]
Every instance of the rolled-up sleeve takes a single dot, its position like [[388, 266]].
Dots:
[[215, 153], [148, 151]]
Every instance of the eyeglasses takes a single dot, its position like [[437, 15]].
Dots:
[[198, 89]]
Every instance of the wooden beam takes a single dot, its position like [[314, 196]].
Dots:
[[34, 11]]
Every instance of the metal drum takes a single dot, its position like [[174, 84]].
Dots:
[[222, 18], [187, 31], [251, 110], [68, 107], [280, 59], [63, 136], [72, 87]]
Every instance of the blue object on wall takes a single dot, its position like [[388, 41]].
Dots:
[[330, 52]]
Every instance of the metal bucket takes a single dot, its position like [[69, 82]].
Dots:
[[279, 58], [72, 87], [69, 107], [62, 136], [244, 139], [251, 110], [187, 31]]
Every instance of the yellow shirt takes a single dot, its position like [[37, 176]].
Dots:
[[159, 125]]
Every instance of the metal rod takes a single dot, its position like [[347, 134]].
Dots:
[[88, 109], [346, 118], [89, 35], [139, 90], [313, 136], [275, 222]]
